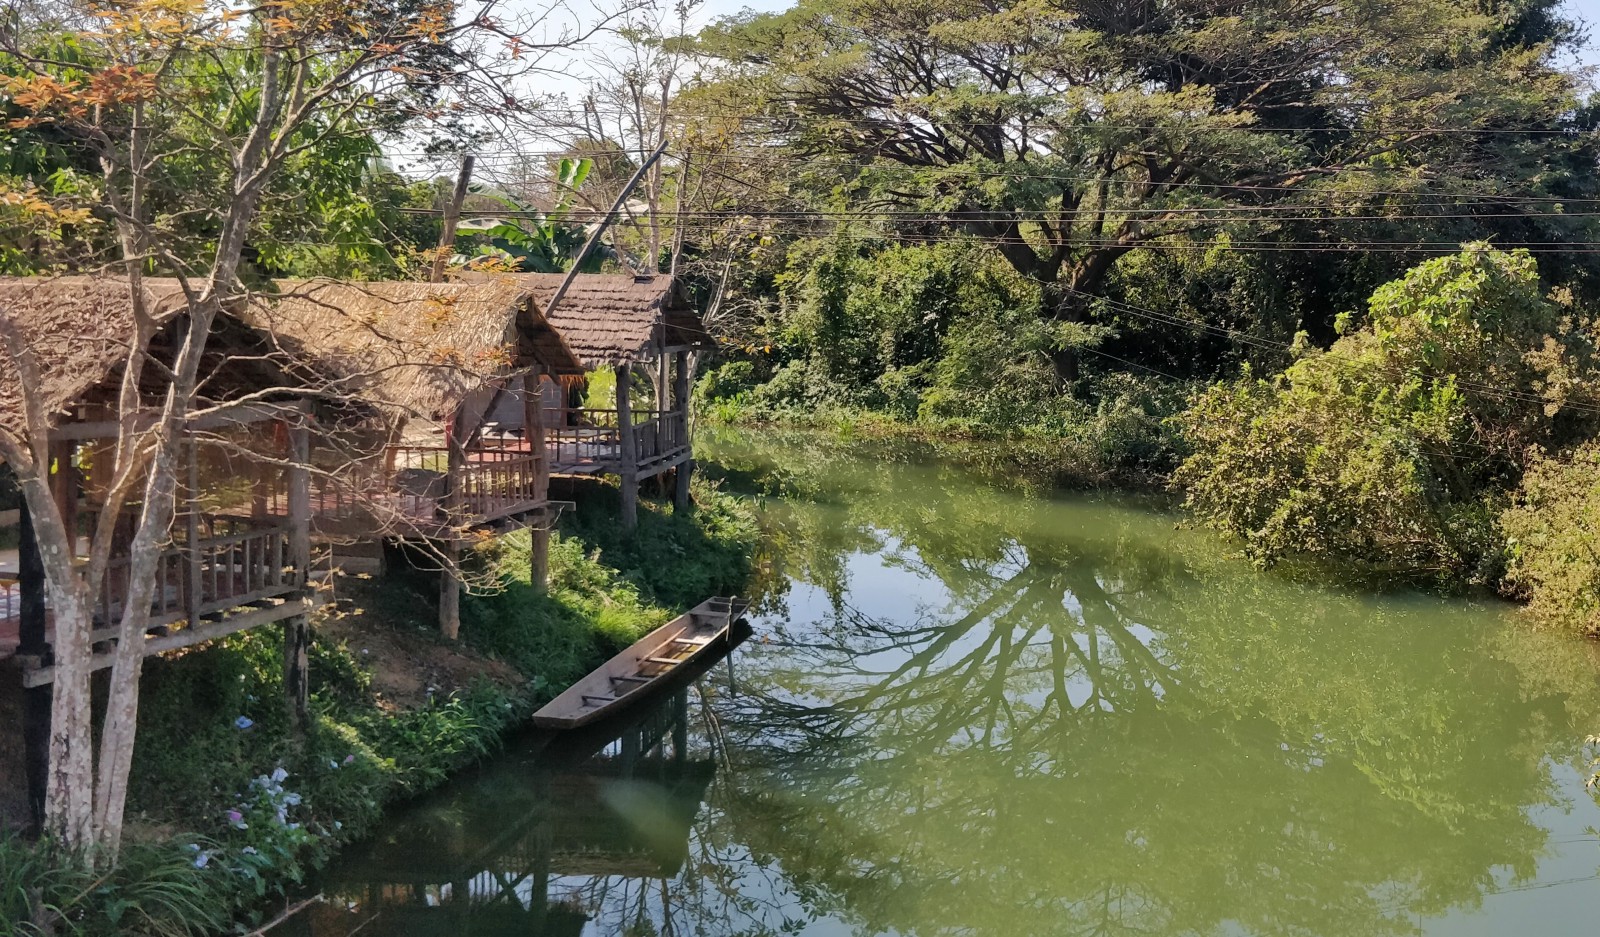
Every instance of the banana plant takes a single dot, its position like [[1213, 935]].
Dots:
[[540, 241]]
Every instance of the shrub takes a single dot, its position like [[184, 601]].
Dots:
[[1397, 447], [1553, 537]]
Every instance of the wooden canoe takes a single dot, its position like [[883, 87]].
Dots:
[[642, 670]]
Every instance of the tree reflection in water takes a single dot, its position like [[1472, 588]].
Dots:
[[1085, 722], [975, 710]]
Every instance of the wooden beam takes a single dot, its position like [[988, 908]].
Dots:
[[533, 434], [242, 414], [187, 637], [192, 591]]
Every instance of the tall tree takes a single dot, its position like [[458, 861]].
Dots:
[[190, 110], [1069, 133]]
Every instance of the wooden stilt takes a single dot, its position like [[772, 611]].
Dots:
[[297, 630], [680, 420], [35, 700], [450, 594], [627, 455], [191, 520], [539, 564]]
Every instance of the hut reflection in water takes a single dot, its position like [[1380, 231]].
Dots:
[[536, 845]]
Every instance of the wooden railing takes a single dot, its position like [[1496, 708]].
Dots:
[[596, 440], [490, 481], [242, 565]]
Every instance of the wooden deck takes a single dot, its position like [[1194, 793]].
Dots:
[[239, 576], [592, 443]]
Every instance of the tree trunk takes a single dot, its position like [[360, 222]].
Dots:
[[121, 721], [1065, 305]]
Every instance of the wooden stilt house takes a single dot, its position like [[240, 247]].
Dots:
[[421, 368], [223, 568], [646, 330]]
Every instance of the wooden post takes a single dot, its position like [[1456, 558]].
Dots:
[[452, 216], [64, 488], [297, 630], [35, 700], [627, 455], [450, 553], [192, 594], [680, 420], [449, 592], [533, 433]]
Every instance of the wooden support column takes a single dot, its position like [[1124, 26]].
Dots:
[[449, 592], [533, 433], [450, 552], [35, 700], [627, 451], [680, 407], [64, 487], [192, 593], [297, 630], [680, 726]]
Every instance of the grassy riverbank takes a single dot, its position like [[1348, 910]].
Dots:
[[229, 813]]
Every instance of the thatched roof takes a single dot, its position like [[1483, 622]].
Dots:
[[613, 318], [78, 329], [419, 347]]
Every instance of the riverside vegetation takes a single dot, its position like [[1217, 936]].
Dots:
[[1446, 437], [230, 814]]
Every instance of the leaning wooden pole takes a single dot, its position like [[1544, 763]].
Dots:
[[599, 229]]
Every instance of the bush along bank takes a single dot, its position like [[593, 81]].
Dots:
[[1445, 437], [396, 712]]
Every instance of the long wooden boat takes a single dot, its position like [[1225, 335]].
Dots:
[[647, 667]]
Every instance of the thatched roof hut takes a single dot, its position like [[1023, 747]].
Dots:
[[419, 348], [77, 328], [611, 319]]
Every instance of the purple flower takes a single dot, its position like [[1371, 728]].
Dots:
[[349, 759], [243, 723], [202, 860], [236, 819]]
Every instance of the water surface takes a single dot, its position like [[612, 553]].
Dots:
[[971, 709]]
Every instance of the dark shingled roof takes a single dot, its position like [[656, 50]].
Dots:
[[78, 329], [613, 318]]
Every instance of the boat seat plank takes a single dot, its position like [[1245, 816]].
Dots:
[[631, 679], [601, 700], [663, 660]]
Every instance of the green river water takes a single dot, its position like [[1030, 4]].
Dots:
[[970, 709]]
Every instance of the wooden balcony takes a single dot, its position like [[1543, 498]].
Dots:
[[233, 576], [593, 444], [411, 490]]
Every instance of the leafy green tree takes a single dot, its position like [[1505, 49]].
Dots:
[[1068, 135], [1397, 446]]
